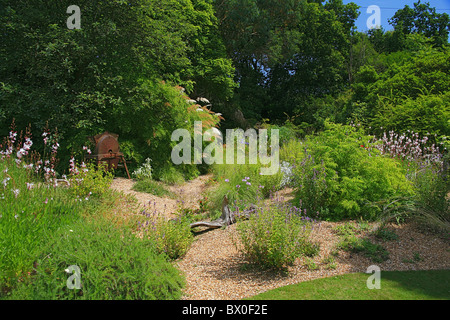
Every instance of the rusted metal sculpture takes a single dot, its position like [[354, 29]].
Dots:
[[107, 151]]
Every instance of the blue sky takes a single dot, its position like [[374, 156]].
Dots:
[[389, 7]]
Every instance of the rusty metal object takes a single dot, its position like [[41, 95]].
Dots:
[[107, 151]]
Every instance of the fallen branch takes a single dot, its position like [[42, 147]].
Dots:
[[228, 217]]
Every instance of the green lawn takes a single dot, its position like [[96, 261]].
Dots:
[[395, 285]]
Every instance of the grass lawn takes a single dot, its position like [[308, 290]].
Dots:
[[395, 285]]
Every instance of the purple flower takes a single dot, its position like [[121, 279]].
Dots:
[[227, 180]]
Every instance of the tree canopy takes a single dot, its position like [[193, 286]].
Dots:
[[134, 65]]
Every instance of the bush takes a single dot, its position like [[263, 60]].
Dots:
[[426, 114], [349, 241], [274, 236], [170, 237], [144, 171], [87, 180], [242, 184], [114, 264], [375, 252], [340, 174]]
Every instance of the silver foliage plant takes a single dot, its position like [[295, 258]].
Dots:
[[144, 171]]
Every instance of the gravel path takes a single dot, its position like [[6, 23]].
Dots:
[[215, 270], [188, 194]]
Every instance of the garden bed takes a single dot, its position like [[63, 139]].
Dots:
[[215, 270]]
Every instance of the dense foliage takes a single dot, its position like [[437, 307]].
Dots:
[[363, 118], [252, 60], [108, 74]]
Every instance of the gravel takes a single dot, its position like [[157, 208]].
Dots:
[[215, 270]]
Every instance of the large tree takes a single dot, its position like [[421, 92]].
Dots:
[[423, 19], [285, 52], [96, 78]]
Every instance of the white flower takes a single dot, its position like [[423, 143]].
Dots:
[[20, 153], [204, 100], [5, 181], [16, 192]]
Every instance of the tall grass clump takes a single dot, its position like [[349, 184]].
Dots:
[[29, 212], [242, 183], [114, 264], [31, 207]]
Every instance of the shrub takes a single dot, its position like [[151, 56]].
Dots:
[[144, 171], [275, 235], [87, 180], [242, 184], [170, 237], [426, 114], [158, 110], [424, 162], [375, 252], [340, 174], [114, 264]]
